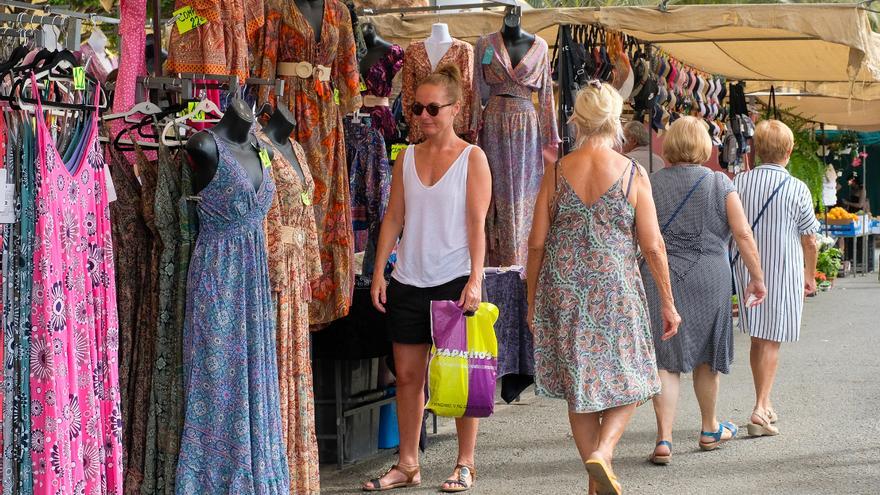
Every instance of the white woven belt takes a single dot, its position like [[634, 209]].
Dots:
[[376, 101], [304, 70]]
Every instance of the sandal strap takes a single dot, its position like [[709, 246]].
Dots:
[[721, 427], [409, 471], [667, 443]]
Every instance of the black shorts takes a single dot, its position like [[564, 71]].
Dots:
[[409, 309]]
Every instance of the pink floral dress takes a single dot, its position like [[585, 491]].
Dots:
[[74, 385]]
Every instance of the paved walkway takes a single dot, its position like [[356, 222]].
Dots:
[[827, 396]]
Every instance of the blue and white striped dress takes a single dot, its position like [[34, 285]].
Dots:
[[778, 234]]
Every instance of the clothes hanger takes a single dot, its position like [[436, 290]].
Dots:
[[204, 106]]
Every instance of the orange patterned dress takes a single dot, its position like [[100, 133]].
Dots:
[[318, 107], [293, 263], [220, 46]]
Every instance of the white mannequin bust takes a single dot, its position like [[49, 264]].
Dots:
[[438, 43]]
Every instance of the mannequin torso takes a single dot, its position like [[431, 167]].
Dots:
[[313, 11], [376, 48], [278, 129], [438, 44], [234, 129], [517, 41]]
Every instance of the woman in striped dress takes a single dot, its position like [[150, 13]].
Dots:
[[780, 209]]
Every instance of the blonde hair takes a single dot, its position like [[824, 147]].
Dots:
[[597, 110], [447, 76], [774, 142], [687, 141]]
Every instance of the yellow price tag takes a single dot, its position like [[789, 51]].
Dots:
[[306, 199], [191, 109], [264, 158], [187, 19], [362, 87], [79, 78], [396, 149], [336, 96]]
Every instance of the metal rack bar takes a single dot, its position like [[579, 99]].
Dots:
[[72, 26], [49, 9], [437, 8]]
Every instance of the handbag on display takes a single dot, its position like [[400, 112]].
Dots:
[[463, 369]]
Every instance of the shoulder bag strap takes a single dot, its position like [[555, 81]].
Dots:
[[763, 209], [683, 202]]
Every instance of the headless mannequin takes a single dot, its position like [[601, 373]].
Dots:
[[517, 41], [313, 11], [235, 131], [278, 129], [438, 43], [376, 48]]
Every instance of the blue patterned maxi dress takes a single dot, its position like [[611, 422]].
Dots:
[[232, 439]]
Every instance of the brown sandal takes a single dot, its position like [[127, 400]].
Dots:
[[460, 484], [375, 484]]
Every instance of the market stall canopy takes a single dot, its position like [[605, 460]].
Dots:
[[818, 49]]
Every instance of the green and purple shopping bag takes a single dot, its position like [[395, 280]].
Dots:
[[464, 361]]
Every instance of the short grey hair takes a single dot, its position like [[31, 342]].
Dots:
[[637, 132]]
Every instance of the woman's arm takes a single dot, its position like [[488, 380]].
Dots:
[[748, 249], [392, 226], [537, 238], [654, 251], [479, 194]]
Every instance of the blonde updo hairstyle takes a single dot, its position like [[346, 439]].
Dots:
[[447, 76], [597, 110], [687, 142]]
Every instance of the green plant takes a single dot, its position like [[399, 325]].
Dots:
[[829, 262]]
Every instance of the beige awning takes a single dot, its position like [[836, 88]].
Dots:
[[818, 49]]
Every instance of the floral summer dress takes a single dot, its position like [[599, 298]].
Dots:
[[76, 423], [293, 264], [593, 344], [232, 442]]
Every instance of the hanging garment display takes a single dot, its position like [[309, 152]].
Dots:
[[294, 263], [513, 134], [140, 380], [417, 66], [321, 80], [220, 46], [76, 421], [376, 86], [232, 437], [164, 419]]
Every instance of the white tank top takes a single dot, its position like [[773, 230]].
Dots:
[[434, 246]]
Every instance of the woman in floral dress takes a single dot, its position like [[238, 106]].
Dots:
[[593, 344]]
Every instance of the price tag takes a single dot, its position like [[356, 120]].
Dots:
[[191, 109], [306, 199], [7, 199], [187, 19], [264, 158], [488, 54], [396, 149], [108, 184], [79, 78], [336, 96], [362, 87]]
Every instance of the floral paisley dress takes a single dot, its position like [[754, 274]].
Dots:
[[593, 344], [232, 442], [76, 423]]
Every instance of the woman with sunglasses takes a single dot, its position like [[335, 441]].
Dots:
[[440, 193]]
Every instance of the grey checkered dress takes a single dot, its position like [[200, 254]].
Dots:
[[697, 247]]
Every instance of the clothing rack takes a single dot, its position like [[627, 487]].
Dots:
[[437, 8], [72, 26], [168, 84], [49, 9]]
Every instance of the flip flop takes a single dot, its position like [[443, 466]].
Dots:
[[604, 478], [661, 460], [461, 484], [717, 436]]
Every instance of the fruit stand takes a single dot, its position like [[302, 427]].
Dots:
[[839, 223]]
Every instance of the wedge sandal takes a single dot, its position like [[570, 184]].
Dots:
[[661, 460]]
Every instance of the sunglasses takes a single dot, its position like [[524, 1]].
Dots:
[[432, 108]]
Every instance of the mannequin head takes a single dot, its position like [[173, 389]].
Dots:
[[440, 89], [512, 18], [369, 32]]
